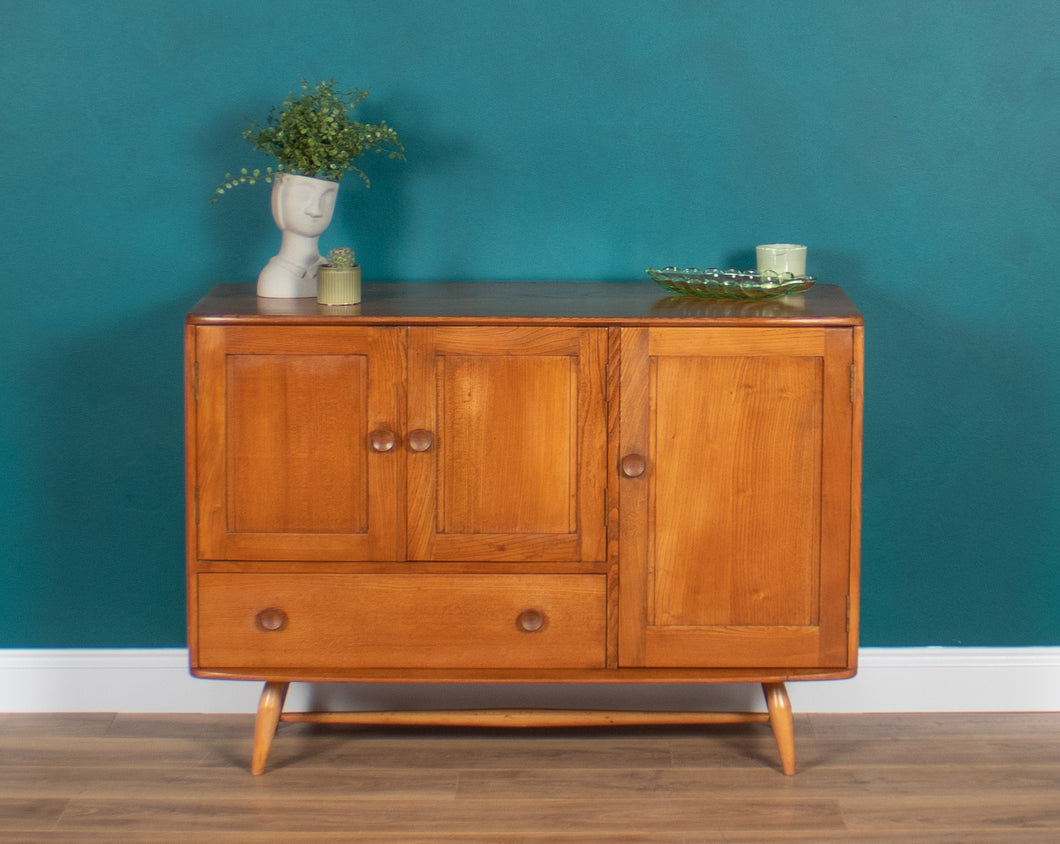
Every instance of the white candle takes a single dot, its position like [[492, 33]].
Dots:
[[781, 258]]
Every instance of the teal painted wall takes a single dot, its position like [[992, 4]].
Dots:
[[911, 143]]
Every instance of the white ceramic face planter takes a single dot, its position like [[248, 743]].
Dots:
[[302, 207]]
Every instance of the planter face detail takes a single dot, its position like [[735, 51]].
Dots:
[[302, 207]]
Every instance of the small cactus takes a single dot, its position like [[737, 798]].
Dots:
[[341, 257]]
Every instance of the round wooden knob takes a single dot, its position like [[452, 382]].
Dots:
[[420, 440], [382, 440], [271, 620], [530, 621], [633, 465]]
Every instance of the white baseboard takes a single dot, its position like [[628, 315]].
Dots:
[[889, 680]]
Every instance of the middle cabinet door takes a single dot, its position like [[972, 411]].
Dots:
[[506, 443]]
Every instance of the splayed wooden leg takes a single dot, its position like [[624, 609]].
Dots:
[[780, 719], [269, 708]]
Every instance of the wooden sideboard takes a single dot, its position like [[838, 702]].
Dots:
[[523, 482]]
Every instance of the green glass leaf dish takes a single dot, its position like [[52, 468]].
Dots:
[[712, 283]]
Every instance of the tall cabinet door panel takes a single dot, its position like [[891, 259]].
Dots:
[[507, 434], [735, 476], [297, 431]]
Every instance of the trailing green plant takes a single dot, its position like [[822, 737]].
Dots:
[[314, 134], [341, 256]]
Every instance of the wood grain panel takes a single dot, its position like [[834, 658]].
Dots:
[[295, 464], [735, 543], [516, 469], [284, 469], [508, 466], [737, 456], [395, 621]]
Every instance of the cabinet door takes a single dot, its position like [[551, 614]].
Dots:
[[293, 430], [507, 443], [735, 537]]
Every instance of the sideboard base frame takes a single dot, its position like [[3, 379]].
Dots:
[[270, 714]]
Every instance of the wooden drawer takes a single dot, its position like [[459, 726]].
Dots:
[[335, 621]]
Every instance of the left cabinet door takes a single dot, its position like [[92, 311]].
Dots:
[[297, 439]]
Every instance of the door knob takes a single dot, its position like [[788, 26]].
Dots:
[[530, 621], [633, 465], [270, 620], [420, 440], [382, 440]]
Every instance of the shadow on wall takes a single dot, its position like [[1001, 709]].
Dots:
[[107, 563], [239, 225], [378, 223], [957, 499]]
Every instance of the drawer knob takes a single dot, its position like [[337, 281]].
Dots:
[[271, 620], [382, 440], [420, 440], [530, 621], [633, 465]]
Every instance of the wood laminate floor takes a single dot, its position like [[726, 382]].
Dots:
[[160, 778]]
